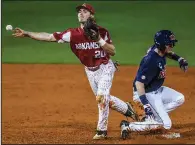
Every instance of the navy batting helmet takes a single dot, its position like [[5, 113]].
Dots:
[[163, 38]]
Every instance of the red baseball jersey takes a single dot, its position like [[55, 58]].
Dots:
[[89, 52]]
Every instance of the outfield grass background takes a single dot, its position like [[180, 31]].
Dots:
[[132, 25]]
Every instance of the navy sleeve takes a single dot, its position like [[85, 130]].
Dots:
[[147, 71]]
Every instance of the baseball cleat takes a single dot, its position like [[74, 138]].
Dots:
[[100, 135], [131, 113], [124, 129]]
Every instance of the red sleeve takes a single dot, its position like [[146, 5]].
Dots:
[[59, 36]]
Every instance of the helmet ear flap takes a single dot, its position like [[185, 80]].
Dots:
[[161, 48]]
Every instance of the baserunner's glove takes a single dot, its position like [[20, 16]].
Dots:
[[91, 29]]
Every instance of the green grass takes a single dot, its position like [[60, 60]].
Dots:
[[132, 26]]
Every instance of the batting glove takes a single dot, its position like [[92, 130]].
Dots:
[[183, 64], [148, 111]]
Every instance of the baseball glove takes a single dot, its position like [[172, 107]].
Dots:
[[91, 29], [131, 112]]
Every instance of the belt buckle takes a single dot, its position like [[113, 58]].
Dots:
[[93, 68]]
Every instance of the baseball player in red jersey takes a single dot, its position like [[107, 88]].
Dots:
[[95, 56]]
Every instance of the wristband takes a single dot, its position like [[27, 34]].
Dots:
[[143, 99], [102, 42], [180, 59]]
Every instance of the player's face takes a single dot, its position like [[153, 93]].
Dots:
[[83, 15], [169, 48]]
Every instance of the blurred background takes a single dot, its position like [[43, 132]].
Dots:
[[132, 25]]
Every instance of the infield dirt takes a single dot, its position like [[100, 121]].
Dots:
[[53, 103]]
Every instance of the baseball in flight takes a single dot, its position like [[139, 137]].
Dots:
[[9, 27]]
